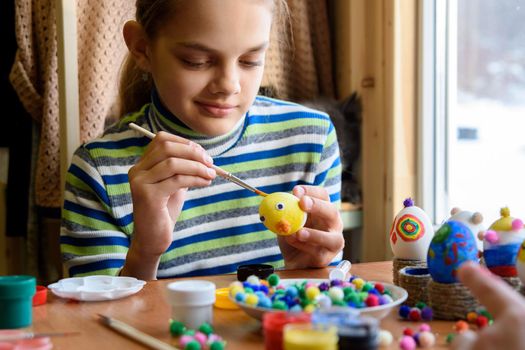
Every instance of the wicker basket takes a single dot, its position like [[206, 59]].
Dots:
[[450, 301], [415, 280], [400, 263], [514, 282]]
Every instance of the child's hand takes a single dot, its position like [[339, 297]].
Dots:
[[159, 182], [321, 238], [506, 305]]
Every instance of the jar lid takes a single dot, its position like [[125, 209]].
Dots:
[[260, 270], [360, 335], [191, 293], [223, 301], [40, 296], [275, 321], [17, 286]]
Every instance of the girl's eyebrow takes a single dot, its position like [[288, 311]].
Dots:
[[204, 48]]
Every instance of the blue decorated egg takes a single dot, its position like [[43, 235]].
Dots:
[[452, 245]]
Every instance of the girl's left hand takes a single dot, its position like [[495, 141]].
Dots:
[[321, 238]]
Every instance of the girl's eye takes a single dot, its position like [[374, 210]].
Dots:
[[251, 63], [195, 64], [262, 218], [279, 206]]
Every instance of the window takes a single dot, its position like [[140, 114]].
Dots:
[[473, 107]]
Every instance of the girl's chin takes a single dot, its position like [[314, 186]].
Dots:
[[216, 128]]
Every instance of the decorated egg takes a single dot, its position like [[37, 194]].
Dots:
[[520, 263], [411, 232], [281, 214], [472, 220], [501, 243], [452, 245]]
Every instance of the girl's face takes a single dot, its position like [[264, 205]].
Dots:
[[207, 61]]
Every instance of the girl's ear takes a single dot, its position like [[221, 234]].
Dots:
[[137, 43]]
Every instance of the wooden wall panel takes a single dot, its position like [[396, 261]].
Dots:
[[376, 55]]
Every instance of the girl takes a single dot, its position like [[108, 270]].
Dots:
[[156, 209]]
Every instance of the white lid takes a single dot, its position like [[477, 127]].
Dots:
[[337, 274], [191, 293]]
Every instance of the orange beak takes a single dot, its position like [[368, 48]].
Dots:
[[283, 226]]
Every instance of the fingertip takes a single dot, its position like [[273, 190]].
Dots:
[[302, 235], [306, 203], [299, 191]]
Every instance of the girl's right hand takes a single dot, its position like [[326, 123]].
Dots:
[[158, 183]]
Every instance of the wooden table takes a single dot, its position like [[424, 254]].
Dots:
[[149, 311]]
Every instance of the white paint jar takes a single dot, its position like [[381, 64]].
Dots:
[[191, 302]]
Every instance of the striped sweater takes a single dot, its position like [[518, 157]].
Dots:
[[276, 146]]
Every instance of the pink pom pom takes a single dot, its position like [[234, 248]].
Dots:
[[517, 224], [427, 339], [491, 236], [407, 343], [424, 327], [201, 338], [185, 339]]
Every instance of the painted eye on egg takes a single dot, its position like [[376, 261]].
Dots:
[[279, 206], [262, 218]]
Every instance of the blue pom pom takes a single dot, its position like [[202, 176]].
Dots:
[[404, 310]]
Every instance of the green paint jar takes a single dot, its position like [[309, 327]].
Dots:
[[16, 296]]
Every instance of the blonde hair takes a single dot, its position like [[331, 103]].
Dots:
[[135, 85]]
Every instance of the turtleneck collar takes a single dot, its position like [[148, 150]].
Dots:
[[161, 119]]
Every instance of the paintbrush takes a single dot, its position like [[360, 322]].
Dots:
[[221, 172], [135, 334], [31, 335]]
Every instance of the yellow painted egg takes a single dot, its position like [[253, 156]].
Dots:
[[281, 214]]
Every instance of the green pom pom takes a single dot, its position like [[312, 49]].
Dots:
[[217, 345], [450, 338], [347, 291], [177, 328], [486, 314], [273, 280], [189, 332], [279, 305], [420, 305], [206, 328], [367, 286], [338, 303], [193, 345]]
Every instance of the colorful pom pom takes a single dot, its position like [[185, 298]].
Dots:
[[461, 326], [427, 314], [482, 321], [491, 236], [426, 340], [385, 338], [404, 310], [407, 343], [414, 314]]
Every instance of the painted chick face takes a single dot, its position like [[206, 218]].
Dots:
[[281, 214]]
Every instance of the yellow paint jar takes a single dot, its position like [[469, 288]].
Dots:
[[302, 336]]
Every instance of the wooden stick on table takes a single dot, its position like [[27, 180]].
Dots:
[[135, 334]]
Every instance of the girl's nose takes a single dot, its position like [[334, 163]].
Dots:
[[226, 81]]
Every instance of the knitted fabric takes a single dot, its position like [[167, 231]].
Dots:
[[35, 77], [301, 72], [301, 69]]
